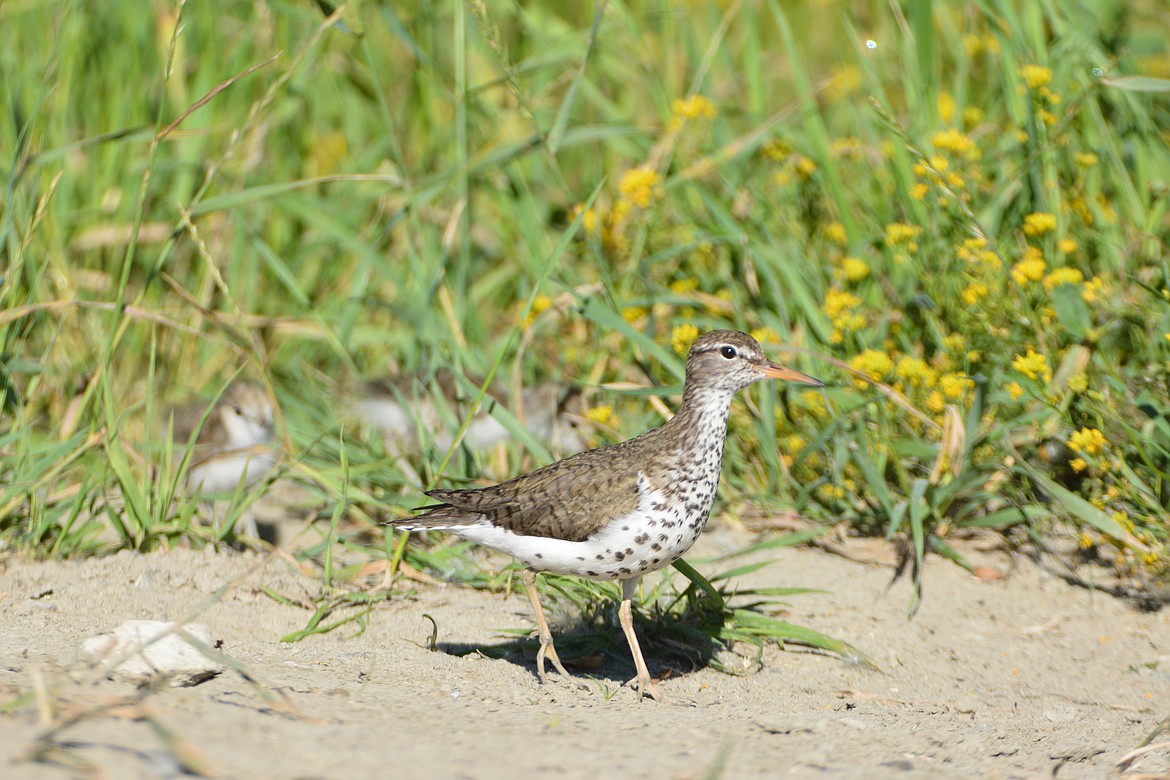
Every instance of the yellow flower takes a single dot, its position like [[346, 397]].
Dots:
[[682, 336], [1079, 383], [974, 292], [1031, 268], [633, 313], [539, 304], [1036, 76], [601, 415], [831, 492], [946, 106], [1063, 276], [872, 364], [1015, 391], [849, 146], [835, 233], [640, 185], [955, 386], [793, 443], [694, 107], [956, 142], [899, 233], [777, 150], [813, 402], [803, 167], [955, 342], [972, 116], [1066, 246], [1093, 287], [838, 301], [1039, 223], [935, 402], [854, 269], [919, 191], [589, 221], [683, 286], [1086, 159], [1033, 365], [1090, 441], [1078, 465], [916, 371], [765, 335]]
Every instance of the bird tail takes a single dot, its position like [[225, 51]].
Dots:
[[439, 517]]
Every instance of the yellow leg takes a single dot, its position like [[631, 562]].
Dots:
[[547, 651], [643, 683]]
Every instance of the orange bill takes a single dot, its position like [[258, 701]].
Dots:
[[777, 371]]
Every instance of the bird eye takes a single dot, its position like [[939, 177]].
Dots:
[[728, 352], [239, 412]]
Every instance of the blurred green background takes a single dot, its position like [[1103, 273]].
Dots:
[[953, 213]]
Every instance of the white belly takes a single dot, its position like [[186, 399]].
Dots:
[[645, 540]]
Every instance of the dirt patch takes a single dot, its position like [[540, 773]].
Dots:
[[1024, 677]]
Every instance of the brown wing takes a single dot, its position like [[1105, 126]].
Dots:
[[571, 499]]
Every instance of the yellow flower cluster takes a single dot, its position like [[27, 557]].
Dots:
[[977, 45], [539, 304], [1039, 223], [1036, 76], [955, 386], [1031, 268], [901, 234], [834, 232], [694, 107], [1086, 159], [602, 415], [854, 269], [640, 186], [872, 364], [976, 250], [1089, 441], [1036, 80], [682, 336], [799, 168], [764, 335], [1063, 276], [607, 228], [847, 147], [841, 308], [916, 372], [935, 170], [974, 293], [956, 142], [1093, 288], [946, 107], [1033, 365]]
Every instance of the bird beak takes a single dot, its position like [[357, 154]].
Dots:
[[777, 371]]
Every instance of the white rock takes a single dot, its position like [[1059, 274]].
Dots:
[[171, 655]]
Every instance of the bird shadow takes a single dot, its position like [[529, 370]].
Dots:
[[593, 645]]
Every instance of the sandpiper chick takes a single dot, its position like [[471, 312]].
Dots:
[[621, 511], [234, 445], [394, 406]]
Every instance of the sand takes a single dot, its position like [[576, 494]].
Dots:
[[1023, 677]]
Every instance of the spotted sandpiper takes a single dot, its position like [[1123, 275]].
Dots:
[[233, 446], [617, 512]]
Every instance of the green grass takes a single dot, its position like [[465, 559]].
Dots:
[[257, 189]]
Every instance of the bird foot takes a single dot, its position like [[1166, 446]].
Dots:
[[549, 653], [644, 686]]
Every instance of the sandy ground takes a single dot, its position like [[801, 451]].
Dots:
[[1018, 678]]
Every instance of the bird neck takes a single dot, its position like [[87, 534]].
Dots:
[[703, 414]]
